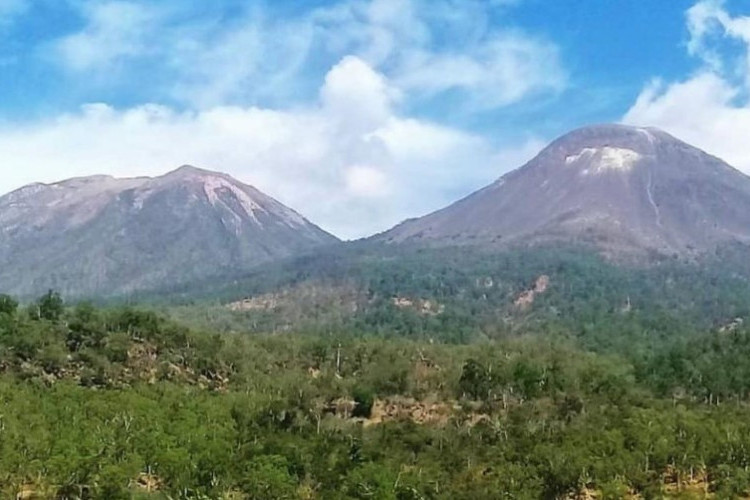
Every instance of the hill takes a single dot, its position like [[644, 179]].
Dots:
[[466, 294]]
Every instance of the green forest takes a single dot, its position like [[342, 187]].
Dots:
[[465, 295], [614, 382]]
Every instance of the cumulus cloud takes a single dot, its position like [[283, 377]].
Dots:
[[352, 84], [349, 161], [711, 108]]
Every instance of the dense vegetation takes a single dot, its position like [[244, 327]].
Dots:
[[466, 294], [123, 403]]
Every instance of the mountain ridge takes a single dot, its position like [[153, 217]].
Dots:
[[102, 235]]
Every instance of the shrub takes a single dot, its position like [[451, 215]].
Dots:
[[364, 398]]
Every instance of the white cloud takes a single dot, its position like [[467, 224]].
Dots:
[[700, 111], [349, 162], [207, 61], [709, 109], [352, 84], [502, 70], [114, 31], [492, 66], [708, 20], [367, 182], [165, 48]]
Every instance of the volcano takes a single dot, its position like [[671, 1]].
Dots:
[[626, 190], [101, 236]]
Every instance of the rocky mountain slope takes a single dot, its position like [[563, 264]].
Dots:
[[621, 188], [104, 236]]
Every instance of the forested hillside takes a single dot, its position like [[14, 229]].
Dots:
[[122, 403], [466, 294]]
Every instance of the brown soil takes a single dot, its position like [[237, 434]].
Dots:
[[526, 299]]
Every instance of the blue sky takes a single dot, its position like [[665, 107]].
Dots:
[[358, 113]]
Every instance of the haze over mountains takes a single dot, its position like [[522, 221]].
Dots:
[[105, 236], [623, 189]]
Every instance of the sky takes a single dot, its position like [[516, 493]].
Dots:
[[357, 113]]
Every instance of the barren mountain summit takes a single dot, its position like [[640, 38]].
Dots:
[[624, 189], [102, 235]]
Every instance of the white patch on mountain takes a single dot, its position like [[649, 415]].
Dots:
[[213, 186], [605, 159]]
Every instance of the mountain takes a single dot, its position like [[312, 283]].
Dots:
[[99, 235], [625, 190]]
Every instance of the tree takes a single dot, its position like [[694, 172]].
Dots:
[[50, 306], [475, 380], [8, 305], [364, 399], [268, 478], [528, 378]]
